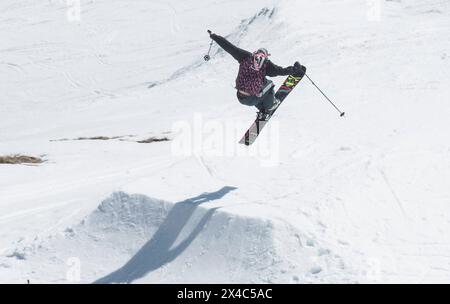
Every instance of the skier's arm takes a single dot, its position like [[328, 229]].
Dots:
[[237, 53], [274, 70]]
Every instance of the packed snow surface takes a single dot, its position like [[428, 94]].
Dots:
[[144, 181]]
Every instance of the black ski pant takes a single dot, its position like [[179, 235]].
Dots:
[[263, 102]]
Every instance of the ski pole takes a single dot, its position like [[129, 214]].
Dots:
[[340, 112], [207, 57]]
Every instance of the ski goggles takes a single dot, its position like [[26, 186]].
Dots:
[[259, 58]]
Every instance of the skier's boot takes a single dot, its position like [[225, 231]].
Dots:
[[275, 105], [262, 116]]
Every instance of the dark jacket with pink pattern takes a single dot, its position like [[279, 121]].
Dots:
[[249, 80]]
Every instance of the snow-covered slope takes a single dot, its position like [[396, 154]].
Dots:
[[317, 199]]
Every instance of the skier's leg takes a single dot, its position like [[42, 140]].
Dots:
[[268, 101], [267, 86], [248, 100], [253, 101], [260, 106], [259, 101]]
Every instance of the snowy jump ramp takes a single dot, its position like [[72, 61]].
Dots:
[[139, 239]]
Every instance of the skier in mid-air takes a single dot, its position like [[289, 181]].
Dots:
[[253, 88]]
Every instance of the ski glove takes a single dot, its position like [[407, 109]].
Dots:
[[299, 70]]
